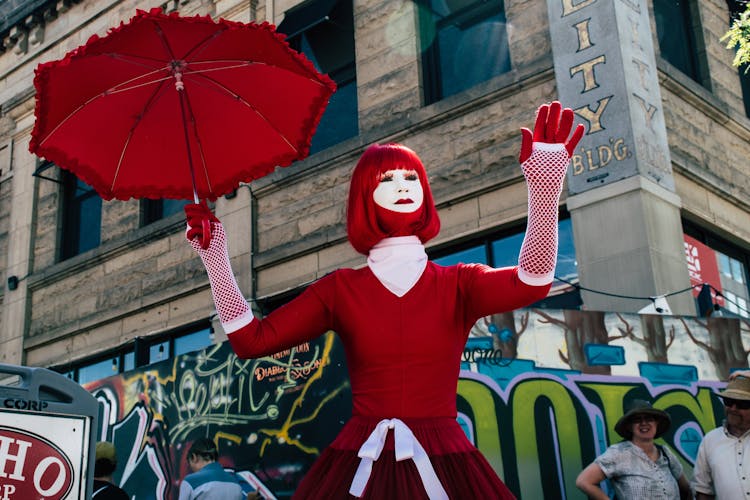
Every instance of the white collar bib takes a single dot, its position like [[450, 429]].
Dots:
[[398, 263]]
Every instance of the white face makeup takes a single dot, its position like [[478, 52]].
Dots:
[[399, 191]]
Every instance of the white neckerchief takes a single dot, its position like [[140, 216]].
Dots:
[[398, 263]]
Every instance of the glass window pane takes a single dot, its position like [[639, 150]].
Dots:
[[505, 250], [738, 271], [330, 47], [724, 267], [158, 352], [192, 342], [129, 361], [676, 40], [567, 265], [458, 35], [81, 217], [474, 255], [154, 210], [339, 121], [99, 370]]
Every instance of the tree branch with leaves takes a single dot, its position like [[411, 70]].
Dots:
[[738, 37]]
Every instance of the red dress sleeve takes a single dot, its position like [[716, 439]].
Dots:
[[487, 290], [300, 320]]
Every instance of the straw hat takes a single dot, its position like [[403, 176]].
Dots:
[[642, 407], [738, 388]]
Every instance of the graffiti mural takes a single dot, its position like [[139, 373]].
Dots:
[[539, 394]]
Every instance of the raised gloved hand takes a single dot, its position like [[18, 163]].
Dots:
[[552, 125], [199, 219], [211, 244], [545, 156]]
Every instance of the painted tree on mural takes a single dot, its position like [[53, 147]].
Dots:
[[581, 328], [724, 346], [654, 338], [505, 332]]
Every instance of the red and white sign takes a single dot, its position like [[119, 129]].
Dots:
[[43, 456], [703, 267]]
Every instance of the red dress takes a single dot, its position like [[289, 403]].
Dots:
[[404, 356]]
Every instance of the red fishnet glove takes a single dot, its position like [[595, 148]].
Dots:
[[234, 311], [544, 161]]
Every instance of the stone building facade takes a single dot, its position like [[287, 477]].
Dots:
[[140, 285]]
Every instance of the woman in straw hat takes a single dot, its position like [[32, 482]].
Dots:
[[637, 468]]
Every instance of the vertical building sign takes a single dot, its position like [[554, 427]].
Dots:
[[605, 70]]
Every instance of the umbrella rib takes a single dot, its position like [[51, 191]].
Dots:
[[139, 118], [193, 122], [249, 105]]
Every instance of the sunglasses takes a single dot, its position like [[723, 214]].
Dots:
[[740, 405]]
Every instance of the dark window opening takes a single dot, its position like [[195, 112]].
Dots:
[[676, 28], [463, 43], [155, 210], [81, 217], [323, 30]]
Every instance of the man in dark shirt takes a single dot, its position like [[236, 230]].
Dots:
[[106, 463]]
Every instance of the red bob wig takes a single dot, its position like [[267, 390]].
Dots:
[[362, 226]]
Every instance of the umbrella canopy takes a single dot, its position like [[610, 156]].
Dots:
[[177, 107]]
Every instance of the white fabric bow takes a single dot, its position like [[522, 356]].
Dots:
[[406, 447]]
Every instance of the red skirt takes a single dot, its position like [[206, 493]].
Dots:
[[461, 468]]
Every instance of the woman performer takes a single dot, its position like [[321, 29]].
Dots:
[[403, 320]]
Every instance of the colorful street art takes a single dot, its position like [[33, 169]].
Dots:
[[539, 394]]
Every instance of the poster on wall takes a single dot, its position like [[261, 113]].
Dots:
[[703, 267]]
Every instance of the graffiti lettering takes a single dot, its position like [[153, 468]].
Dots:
[[492, 356]]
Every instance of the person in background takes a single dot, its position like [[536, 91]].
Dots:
[[208, 480], [104, 467], [637, 468], [722, 467]]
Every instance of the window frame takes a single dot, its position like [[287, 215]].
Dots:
[[432, 72], [71, 214]]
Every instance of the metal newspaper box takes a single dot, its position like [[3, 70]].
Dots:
[[48, 427]]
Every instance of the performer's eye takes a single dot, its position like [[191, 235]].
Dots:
[[411, 175], [386, 177]]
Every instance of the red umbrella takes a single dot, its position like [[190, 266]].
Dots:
[[177, 107]]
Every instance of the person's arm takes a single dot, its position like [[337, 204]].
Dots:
[[702, 476], [686, 492], [186, 491], [545, 156], [739, 373], [589, 479], [301, 320]]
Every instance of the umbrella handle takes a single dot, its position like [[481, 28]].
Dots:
[[206, 236]]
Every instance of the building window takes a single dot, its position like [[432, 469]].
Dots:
[[463, 42], [678, 31], [81, 217], [722, 265], [502, 251], [154, 210], [323, 30], [141, 352]]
